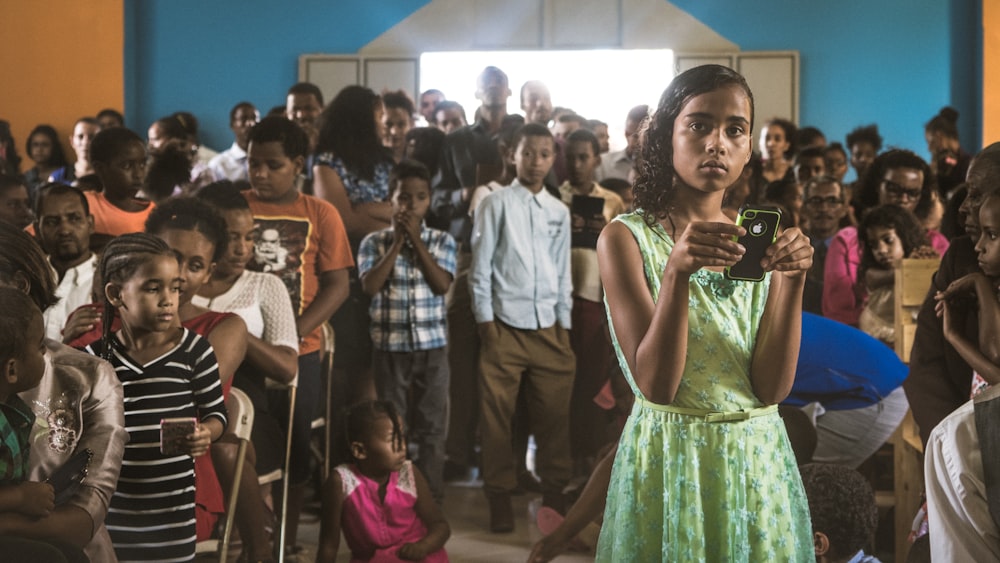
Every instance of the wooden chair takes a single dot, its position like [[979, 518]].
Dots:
[[913, 280], [240, 413]]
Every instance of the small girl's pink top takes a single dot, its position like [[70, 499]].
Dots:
[[374, 529], [842, 299]]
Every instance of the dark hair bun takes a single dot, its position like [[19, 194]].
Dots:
[[949, 113]]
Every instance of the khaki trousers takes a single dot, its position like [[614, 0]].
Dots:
[[544, 359]]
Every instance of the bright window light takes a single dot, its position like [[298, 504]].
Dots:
[[599, 84]]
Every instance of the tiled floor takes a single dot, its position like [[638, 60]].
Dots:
[[468, 516]]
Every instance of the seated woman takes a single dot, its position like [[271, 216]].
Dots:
[[897, 177], [43, 147], [78, 406]]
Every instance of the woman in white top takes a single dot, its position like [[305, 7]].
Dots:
[[262, 301]]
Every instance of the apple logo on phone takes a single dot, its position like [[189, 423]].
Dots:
[[757, 228]]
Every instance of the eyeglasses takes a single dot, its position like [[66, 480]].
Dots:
[[894, 189], [817, 201]]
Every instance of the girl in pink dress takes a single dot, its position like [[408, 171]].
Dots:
[[381, 501]]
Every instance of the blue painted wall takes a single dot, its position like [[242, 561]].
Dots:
[[204, 57], [894, 62], [891, 62]]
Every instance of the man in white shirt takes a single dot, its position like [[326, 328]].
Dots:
[[618, 164], [231, 164], [63, 227]]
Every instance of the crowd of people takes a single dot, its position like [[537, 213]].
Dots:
[[489, 285]]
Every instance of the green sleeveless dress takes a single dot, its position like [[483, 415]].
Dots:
[[692, 486]]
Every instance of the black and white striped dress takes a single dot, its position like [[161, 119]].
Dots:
[[151, 516]]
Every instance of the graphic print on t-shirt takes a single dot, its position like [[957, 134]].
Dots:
[[278, 248]]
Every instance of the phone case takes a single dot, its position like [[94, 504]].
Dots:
[[172, 431], [762, 229]]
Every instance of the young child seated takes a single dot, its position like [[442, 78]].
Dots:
[[380, 501], [887, 234], [23, 364], [843, 511], [406, 270]]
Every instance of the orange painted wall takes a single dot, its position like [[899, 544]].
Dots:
[[61, 60], [991, 71]]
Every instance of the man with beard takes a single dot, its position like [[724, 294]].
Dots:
[[823, 209], [63, 227]]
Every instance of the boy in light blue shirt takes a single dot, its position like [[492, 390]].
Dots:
[[522, 299]]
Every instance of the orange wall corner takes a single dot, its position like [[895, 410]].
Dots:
[[991, 71], [64, 59]]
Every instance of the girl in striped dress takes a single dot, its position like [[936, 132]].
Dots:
[[166, 371]]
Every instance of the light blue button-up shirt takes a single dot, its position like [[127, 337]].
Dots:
[[520, 260]]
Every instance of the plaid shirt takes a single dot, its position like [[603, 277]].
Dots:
[[15, 429], [406, 315]]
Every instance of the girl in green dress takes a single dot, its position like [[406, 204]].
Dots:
[[704, 470]]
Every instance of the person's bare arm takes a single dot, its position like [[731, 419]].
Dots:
[[229, 342], [333, 290], [584, 511], [772, 368], [30, 498], [879, 277], [430, 514], [359, 219], [984, 366], [68, 522], [653, 336], [329, 529], [280, 363]]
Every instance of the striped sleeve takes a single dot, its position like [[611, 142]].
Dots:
[[205, 382]]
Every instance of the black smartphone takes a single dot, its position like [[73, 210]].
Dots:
[[761, 224]]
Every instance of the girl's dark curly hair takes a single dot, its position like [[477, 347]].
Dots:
[[190, 214], [22, 260], [655, 184], [909, 230], [791, 134], [347, 129], [842, 505], [58, 157], [890, 159], [359, 419]]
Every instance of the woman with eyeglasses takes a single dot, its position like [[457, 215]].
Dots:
[[897, 177]]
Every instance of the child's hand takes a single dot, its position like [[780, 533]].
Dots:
[[706, 244], [790, 254], [37, 499], [409, 224], [963, 286], [83, 321], [413, 551], [198, 442]]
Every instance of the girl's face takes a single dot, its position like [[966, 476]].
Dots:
[[711, 139], [862, 155], [272, 173], [124, 174], [194, 252], [902, 187], [148, 300], [240, 227], [395, 124], [40, 148], [885, 245], [988, 246], [381, 452], [83, 134], [773, 141], [836, 164]]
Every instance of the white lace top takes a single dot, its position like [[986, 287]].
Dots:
[[262, 301]]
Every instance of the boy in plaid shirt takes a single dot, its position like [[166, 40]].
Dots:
[[407, 269], [22, 359]]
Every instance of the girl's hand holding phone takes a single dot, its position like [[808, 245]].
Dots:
[[198, 442], [791, 254], [706, 245], [37, 499]]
